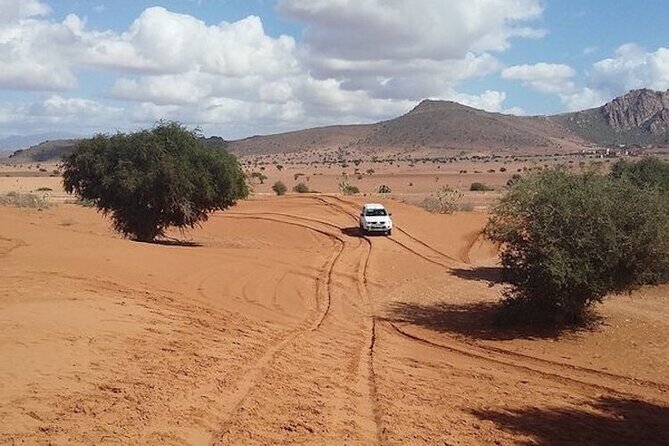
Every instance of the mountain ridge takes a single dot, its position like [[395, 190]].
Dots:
[[640, 117]]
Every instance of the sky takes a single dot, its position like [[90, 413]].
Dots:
[[236, 68]]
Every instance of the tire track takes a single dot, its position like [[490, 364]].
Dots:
[[364, 377], [350, 213], [462, 347], [260, 368], [503, 359], [256, 371]]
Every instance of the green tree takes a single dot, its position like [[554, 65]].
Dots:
[[649, 172], [569, 239], [279, 188], [149, 180]]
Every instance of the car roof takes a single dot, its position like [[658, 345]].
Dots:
[[373, 206]]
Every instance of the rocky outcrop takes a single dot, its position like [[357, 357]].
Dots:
[[645, 109]]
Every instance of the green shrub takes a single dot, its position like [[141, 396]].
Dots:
[[649, 172], [301, 188], [514, 178], [279, 188], [152, 179], [480, 187], [383, 189], [569, 239]]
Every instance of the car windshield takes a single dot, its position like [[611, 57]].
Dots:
[[375, 213]]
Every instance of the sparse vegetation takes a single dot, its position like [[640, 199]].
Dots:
[[301, 188], [23, 200], [347, 188], [480, 187], [152, 179], [44, 189], [570, 239], [445, 200], [383, 189], [279, 188]]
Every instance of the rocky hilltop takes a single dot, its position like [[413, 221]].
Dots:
[[639, 109]]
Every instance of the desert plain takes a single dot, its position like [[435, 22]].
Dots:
[[277, 322]]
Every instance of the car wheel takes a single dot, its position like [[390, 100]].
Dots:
[[389, 232]]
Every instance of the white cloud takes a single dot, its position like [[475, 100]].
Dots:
[[361, 61], [489, 100], [56, 111], [13, 10], [407, 50], [543, 77], [555, 79], [631, 67], [358, 30]]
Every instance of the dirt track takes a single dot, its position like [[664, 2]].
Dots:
[[283, 325]]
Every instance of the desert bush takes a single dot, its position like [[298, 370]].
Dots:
[[569, 239], [259, 176], [480, 187], [649, 172], [514, 178], [279, 188], [44, 189], [383, 189], [149, 180], [446, 200], [23, 200], [301, 188], [347, 188]]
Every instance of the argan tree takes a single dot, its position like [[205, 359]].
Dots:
[[570, 239], [149, 180]]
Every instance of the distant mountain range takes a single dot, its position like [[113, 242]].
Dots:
[[14, 142], [641, 117]]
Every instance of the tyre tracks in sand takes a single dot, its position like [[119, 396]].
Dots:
[[319, 379], [585, 378]]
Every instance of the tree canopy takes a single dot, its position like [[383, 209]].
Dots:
[[570, 239], [149, 180]]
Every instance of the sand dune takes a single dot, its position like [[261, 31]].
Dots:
[[277, 323]]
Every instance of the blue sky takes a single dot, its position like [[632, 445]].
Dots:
[[242, 67]]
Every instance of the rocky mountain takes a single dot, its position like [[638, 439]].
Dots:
[[641, 117], [640, 108]]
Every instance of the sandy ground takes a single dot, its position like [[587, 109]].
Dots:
[[280, 324]]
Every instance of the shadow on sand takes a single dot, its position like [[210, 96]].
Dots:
[[490, 274], [172, 242], [475, 320], [355, 231], [613, 422]]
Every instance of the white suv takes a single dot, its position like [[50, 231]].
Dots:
[[375, 218]]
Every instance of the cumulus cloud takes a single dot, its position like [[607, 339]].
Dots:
[[360, 61], [631, 67], [405, 50], [543, 77], [358, 30], [60, 112], [12, 10]]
